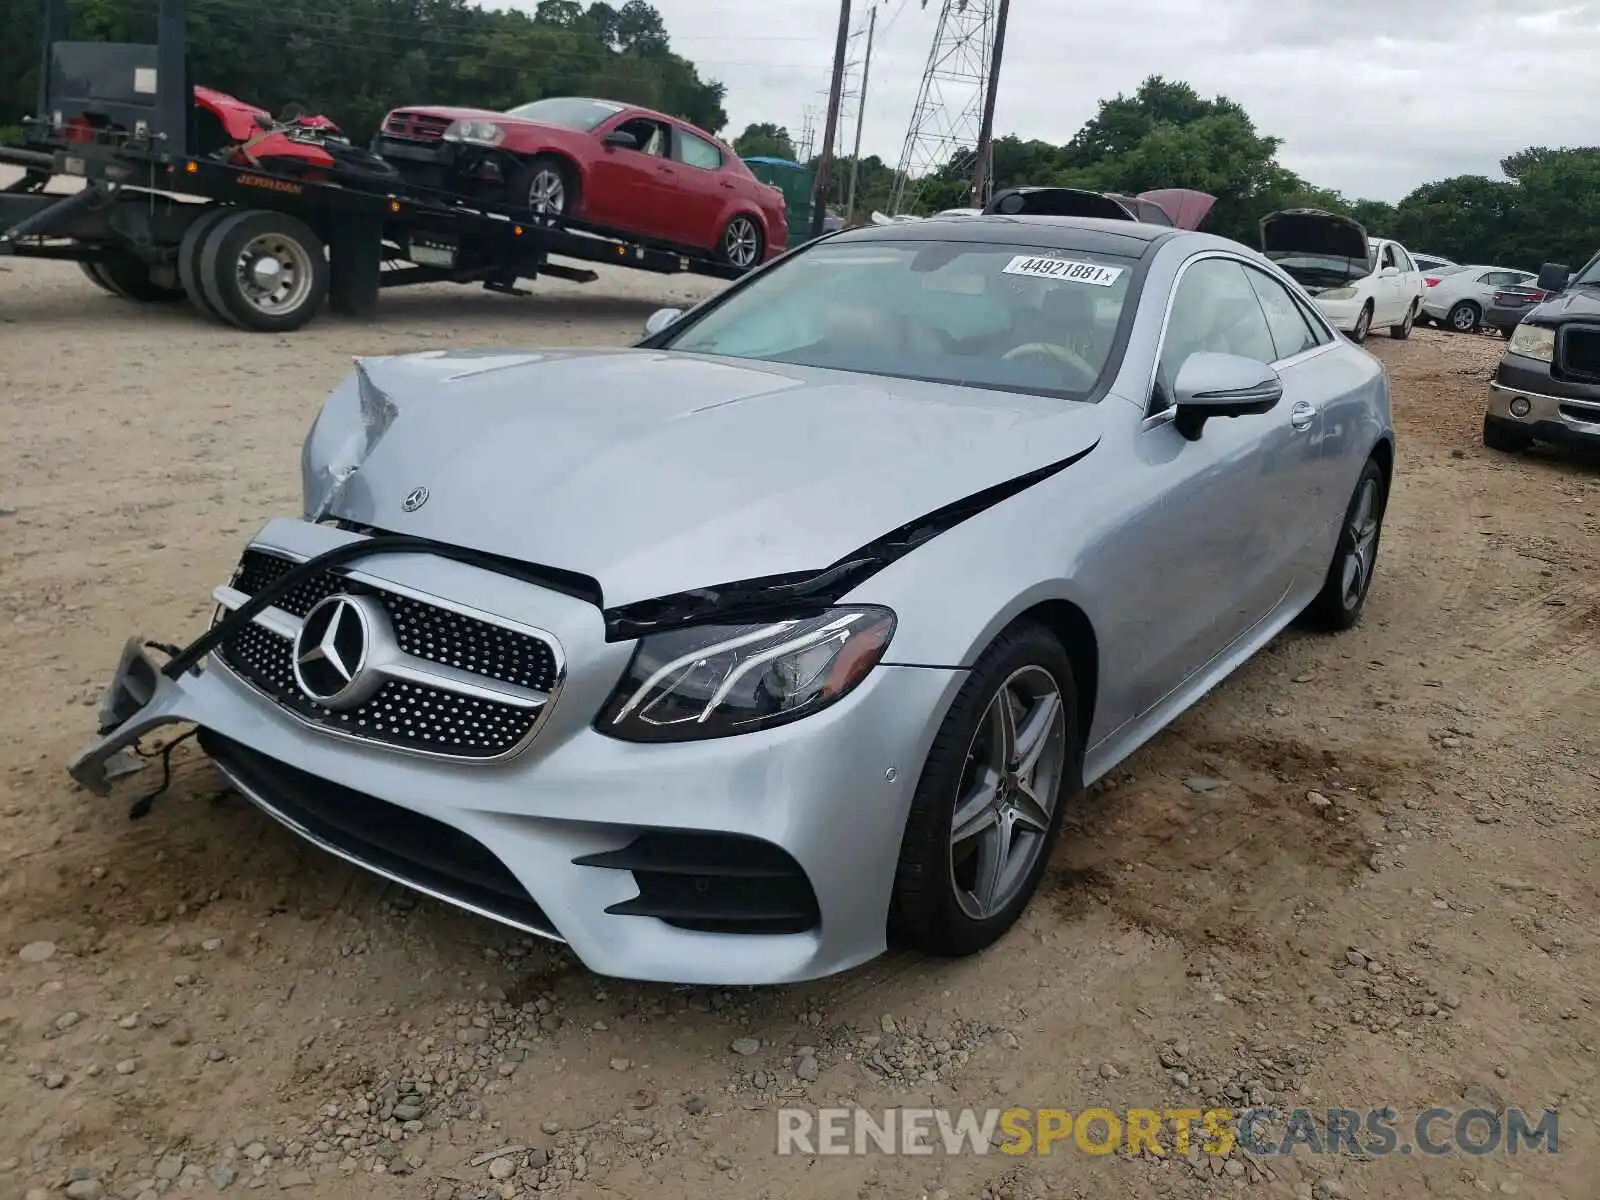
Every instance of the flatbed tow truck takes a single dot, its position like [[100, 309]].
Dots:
[[242, 235]]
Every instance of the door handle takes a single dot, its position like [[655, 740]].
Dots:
[[1302, 414]]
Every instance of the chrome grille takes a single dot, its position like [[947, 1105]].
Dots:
[[422, 127], [446, 713]]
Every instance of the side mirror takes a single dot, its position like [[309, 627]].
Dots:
[[622, 139], [1388, 272], [1222, 385], [660, 319], [1553, 277]]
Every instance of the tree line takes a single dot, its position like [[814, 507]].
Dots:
[[357, 59], [1167, 135], [354, 60]]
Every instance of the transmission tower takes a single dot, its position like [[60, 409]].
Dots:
[[949, 111], [808, 135]]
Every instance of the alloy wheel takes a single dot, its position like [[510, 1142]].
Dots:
[[1006, 801], [1462, 320], [547, 193], [742, 242], [1363, 535]]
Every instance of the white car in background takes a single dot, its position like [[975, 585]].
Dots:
[[1431, 262], [1457, 297], [1355, 281]]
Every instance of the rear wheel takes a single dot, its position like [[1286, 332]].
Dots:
[[988, 805], [264, 271], [96, 276], [743, 244], [1402, 331], [189, 252], [127, 275], [546, 187], [1464, 317]]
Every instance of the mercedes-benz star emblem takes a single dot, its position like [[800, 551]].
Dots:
[[415, 499], [332, 651]]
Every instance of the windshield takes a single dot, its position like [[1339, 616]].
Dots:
[[979, 314], [1590, 275], [566, 112]]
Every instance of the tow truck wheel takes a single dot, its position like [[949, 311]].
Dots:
[[128, 276], [264, 271], [189, 251], [92, 272]]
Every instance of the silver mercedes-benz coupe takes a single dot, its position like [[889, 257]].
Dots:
[[732, 656]]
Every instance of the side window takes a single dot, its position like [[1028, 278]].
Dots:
[[1505, 278], [697, 152], [652, 136], [1404, 257], [1214, 309], [1388, 257], [1291, 333]]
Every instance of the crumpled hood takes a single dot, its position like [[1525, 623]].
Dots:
[[654, 473]]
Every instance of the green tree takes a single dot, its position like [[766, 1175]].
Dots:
[[764, 140]]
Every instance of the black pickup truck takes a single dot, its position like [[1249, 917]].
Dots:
[[1546, 387]]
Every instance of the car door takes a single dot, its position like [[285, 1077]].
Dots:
[[1388, 308], [705, 189], [1411, 281], [1221, 536], [633, 189]]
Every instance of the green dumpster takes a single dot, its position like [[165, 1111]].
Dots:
[[796, 183]]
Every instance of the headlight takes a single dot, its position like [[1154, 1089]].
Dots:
[[1533, 341], [713, 681], [1338, 293], [479, 133]]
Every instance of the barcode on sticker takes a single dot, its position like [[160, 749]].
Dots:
[[1045, 267]]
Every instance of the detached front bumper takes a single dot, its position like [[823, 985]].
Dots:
[[760, 858]]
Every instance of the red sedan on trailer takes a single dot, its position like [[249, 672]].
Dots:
[[616, 166]]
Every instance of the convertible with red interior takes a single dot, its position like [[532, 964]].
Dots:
[[619, 167]]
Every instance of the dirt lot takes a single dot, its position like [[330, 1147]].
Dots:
[[1363, 873]]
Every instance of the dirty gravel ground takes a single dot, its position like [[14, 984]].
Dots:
[[1386, 894]]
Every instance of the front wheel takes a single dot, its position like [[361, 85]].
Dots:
[[988, 805], [1344, 590], [742, 243], [546, 188], [1363, 326]]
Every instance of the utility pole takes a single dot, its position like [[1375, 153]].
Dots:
[[981, 178], [861, 112], [819, 203]]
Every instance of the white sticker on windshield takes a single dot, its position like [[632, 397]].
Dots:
[[1044, 267]]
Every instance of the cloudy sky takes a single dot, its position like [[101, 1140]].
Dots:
[[1371, 97]]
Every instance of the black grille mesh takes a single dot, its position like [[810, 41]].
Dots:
[[407, 715]]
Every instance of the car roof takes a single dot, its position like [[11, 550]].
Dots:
[[1132, 239]]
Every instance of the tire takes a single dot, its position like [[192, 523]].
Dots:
[[133, 279], [189, 251], [546, 175], [1402, 331], [248, 237], [1464, 317], [1506, 332], [742, 244], [1363, 326], [934, 907], [93, 273], [1338, 605], [1500, 434]]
